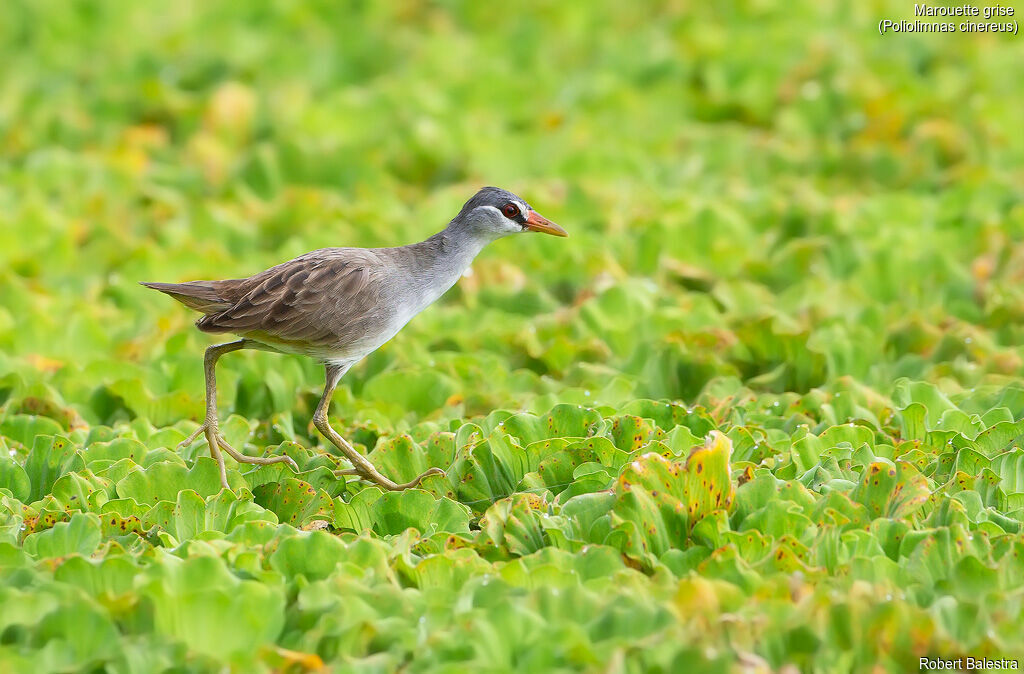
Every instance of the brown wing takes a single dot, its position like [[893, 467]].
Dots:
[[205, 296], [318, 299]]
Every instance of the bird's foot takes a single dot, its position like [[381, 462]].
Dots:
[[192, 438], [361, 466], [372, 475], [217, 443]]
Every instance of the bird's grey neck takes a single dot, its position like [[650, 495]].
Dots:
[[444, 257]]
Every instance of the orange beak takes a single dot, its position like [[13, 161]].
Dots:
[[535, 222]]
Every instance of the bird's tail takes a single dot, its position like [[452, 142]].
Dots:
[[202, 296]]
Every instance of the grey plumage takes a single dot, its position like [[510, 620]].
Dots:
[[340, 304]]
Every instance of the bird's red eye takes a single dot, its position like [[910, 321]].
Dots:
[[510, 210]]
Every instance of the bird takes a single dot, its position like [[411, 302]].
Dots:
[[338, 305]]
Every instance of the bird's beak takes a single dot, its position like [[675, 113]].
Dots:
[[535, 222]]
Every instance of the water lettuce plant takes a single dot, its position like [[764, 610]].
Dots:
[[764, 412]]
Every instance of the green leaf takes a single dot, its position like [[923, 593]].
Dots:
[[314, 555], [295, 502], [199, 602], [78, 633], [23, 428], [164, 480], [658, 501], [81, 491], [514, 524], [402, 459], [394, 512], [420, 391], [889, 490], [81, 535], [49, 458], [114, 450], [1009, 466], [14, 478]]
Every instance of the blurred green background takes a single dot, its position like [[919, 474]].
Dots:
[[773, 192], [768, 203]]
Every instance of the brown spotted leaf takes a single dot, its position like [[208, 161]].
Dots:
[[891, 490], [658, 501]]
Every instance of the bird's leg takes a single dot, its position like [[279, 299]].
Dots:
[[361, 465], [209, 427]]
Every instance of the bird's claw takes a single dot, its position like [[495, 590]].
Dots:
[[415, 482], [191, 438], [382, 481], [217, 442]]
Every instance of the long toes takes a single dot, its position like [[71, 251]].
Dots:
[[415, 482], [192, 438], [382, 481], [284, 458], [425, 474], [258, 460]]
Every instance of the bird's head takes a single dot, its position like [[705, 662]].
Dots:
[[495, 212]]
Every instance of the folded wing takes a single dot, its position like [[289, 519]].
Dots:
[[321, 299]]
